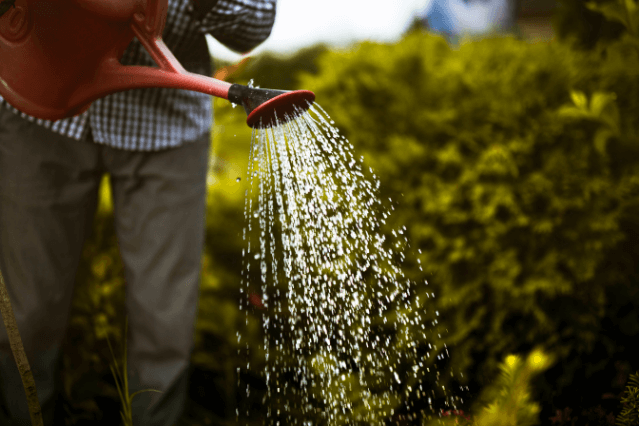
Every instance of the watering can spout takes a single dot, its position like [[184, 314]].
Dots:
[[265, 106], [113, 77], [55, 61]]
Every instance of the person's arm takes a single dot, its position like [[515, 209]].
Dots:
[[240, 25]]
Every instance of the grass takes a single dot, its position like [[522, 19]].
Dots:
[[122, 382]]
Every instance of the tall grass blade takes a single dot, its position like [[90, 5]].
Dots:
[[122, 382]]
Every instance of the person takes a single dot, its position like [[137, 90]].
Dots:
[[453, 18], [154, 144]]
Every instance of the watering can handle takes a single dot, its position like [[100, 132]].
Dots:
[[148, 29], [118, 10], [155, 46], [154, 18]]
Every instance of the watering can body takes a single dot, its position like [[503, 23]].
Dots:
[[56, 57]]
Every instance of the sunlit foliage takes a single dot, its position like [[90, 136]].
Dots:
[[515, 169]]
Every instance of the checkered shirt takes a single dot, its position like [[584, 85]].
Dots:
[[152, 119]]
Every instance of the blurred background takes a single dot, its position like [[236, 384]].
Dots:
[[506, 134]]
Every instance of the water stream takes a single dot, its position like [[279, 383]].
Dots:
[[339, 316]]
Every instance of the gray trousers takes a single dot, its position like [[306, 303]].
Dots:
[[48, 197]]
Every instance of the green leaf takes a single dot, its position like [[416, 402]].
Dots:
[[601, 101], [600, 140], [622, 11], [579, 99]]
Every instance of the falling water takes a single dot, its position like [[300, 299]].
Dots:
[[337, 311]]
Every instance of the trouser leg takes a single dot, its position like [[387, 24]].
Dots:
[[159, 206], [48, 192]]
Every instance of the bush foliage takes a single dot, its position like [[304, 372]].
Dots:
[[515, 170], [507, 401]]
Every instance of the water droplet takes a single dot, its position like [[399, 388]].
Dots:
[[316, 236], [238, 179]]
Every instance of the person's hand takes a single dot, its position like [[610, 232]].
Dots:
[[225, 73]]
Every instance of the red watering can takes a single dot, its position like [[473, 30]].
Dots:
[[56, 57]]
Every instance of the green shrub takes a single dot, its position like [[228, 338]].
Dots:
[[506, 401], [587, 23], [515, 170], [510, 395]]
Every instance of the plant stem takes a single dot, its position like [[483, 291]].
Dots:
[[122, 381], [18, 353]]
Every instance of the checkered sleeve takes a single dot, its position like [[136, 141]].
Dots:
[[240, 25]]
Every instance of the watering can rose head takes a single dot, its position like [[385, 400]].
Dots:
[[265, 107]]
